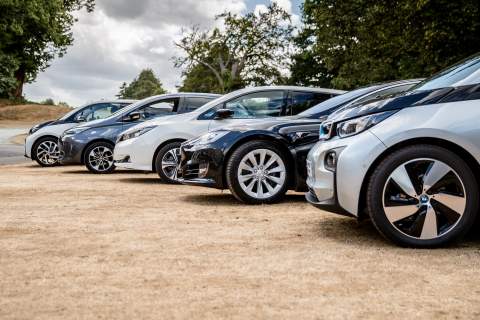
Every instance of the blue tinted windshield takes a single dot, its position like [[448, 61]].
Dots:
[[466, 72], [338, 101]]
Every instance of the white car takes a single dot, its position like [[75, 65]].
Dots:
[[41, 144], [155, 145], [411, 163]]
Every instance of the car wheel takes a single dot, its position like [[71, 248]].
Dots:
[[422, 196], [167, 161], [257, 173], [98, 157], [45, 151]]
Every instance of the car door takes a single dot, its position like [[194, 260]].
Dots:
[[255, 105], [299, 101]]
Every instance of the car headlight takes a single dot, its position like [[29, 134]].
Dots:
[[34, 129], [210, 137], [73, 131], [355, 126], [135, 133]]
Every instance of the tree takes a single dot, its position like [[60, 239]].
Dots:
[[144, 86], [32, 33], [199, 78], [357, 42], [249, 50]]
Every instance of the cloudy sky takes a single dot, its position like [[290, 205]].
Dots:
[[122, 37]]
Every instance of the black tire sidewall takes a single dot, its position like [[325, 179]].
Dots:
[[34, 151], [89, 149], [383, 171], [158, 161], [232, 168]]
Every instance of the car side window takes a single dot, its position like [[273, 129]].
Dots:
[[301, 101], [158, 109], [193, 103], [98, 111], [257, 105]]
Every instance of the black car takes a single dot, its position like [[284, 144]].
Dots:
[[260, 160]]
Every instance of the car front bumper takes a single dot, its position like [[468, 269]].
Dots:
[[202, 165], [134, 154], [338, 190], [71, 150]]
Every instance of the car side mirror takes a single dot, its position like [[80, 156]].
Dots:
[[221, 114], [133, 116], [323, 118], [80, 119]]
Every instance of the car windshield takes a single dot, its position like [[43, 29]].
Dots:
[[466, 72], [338, 100]]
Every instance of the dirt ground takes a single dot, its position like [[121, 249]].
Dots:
[[77, 245]]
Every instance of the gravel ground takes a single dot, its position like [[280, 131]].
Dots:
[[77, 245]]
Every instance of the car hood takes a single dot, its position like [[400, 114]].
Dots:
[[271, 124], [403, 100]]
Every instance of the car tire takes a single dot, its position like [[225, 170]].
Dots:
[[257, 173], [98, 157], [166, 162], [422, 196], [45, 152]]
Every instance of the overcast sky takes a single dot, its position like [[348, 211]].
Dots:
[[122, 37]]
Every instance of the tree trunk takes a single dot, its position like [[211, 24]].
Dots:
[[20, 76]]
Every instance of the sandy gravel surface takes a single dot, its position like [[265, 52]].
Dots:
[[76, 245]]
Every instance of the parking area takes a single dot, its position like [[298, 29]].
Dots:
[[125, 245]]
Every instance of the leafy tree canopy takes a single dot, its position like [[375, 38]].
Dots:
[[356, 42], [249, 50], [144, 86], [32, 33]]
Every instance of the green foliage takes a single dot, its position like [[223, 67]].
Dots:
[[32, 33], [144, 86], [48, 102], [352, 43], [199, 78], [249, 50]]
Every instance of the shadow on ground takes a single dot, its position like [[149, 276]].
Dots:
[[363, 233], [146, 180], [119, 172], [227, 199]]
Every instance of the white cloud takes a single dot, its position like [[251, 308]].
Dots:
[[117, 40]]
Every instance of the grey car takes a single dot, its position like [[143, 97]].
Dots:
[[92, 143], [410, 163]]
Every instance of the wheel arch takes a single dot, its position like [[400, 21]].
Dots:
[[268, 138], [463, 153], [34, 144], [92, 142], [160, 146]]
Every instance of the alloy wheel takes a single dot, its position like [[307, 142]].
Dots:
[[101, 158], [424, 198], [48, 152], [170, 161], [261, 173]]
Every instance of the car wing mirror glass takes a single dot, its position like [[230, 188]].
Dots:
[[133, 116], [223, 114], [80, 119]]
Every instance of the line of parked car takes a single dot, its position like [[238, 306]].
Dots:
[[405, 154]]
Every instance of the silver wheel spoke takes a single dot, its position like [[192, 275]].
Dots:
[[252, 159], [170, 161], [397, 213], [245, 177], [455, 203], [275, 170], [437, 171], [271, 190], [429, 230], [401, 177], [274, 179], [436, 210]]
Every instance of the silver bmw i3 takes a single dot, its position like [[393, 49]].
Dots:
[[410, 162]]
